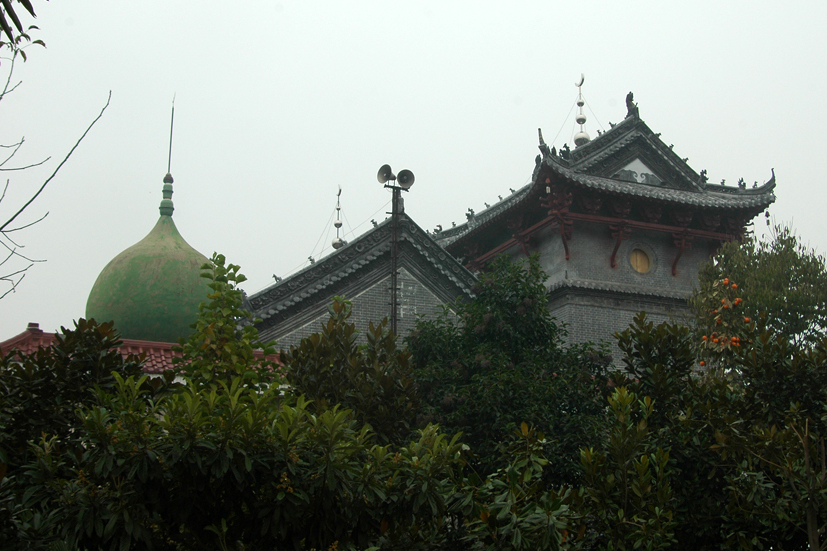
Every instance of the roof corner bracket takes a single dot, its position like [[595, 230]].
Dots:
[[682, 242], [475, 265], [566, 229], [620, 232], [524, 241]]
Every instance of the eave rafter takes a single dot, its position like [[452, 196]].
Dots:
[[620, 232], [683, 241], [559, 198], [557, 202]]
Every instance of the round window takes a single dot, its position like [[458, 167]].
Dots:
[[640, 261]]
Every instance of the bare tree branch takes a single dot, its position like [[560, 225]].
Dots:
[[14, 252], [5, 232], [66, 158], [6, 89], [14, 284], [23, 167], [15, 277], [15, 147]]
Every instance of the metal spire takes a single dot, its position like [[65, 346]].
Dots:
[[338, 243], [581, 137], [167, 207], [171, 123]]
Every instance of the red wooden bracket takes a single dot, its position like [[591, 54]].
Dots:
[[620, 232], [682, 242]]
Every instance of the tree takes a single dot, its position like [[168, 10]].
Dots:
[[7, 9], [781, 279], [487, 365], [679, 458], [775, 445], [224, 343], [216, 462], [744, 433], [14, 263], [42, 390], [627, 484], [372, 380], [39, 395], [661, 365], [762, 319]]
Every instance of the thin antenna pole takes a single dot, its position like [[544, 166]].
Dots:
[[171, 122]]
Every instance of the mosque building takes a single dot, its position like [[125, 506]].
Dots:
[[621, 223]]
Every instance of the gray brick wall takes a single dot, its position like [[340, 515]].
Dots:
[[583, 290], [373, 304], [595, 316], [591, 249]]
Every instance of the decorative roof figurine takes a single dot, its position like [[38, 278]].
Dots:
[[631, 106]]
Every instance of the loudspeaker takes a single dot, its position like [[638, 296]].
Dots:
[[385, 174], [405, 179]]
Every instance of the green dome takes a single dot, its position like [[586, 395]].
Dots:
[[152, 289]]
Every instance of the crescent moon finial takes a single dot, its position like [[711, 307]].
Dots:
[[582, 78]]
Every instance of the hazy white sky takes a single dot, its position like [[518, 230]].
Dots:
[[279, 103]]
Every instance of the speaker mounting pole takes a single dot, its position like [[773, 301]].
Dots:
[[397, 184]]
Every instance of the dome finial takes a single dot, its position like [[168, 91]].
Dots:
[[166, 207], [581, 137]]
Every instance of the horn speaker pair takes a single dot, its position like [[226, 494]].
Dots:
[[405, 179]]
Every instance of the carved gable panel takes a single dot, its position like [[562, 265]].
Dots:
[[637, 171]]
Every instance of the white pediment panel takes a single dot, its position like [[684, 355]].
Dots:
[[637, 171]]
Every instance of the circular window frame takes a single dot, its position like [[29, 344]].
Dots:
[[647, 253]]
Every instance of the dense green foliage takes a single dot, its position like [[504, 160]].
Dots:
[[669, 456], [40, 392], [39, 396], [487, 365], [224, 343], [781, 279], [372, 380], [627, 483], [224, 461]]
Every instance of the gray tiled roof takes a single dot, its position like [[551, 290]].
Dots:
[[617, 288], [584, 158], [721, 198], [446, 237], [353, 257]]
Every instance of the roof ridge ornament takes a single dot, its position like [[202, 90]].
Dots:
[[582, 137], [631, 106], [338, 243]]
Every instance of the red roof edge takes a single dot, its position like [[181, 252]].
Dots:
[[158, 355]]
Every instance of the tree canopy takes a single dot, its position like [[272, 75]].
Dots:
[[8, 12], [486, 365], [660, 455], [780, 279]]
